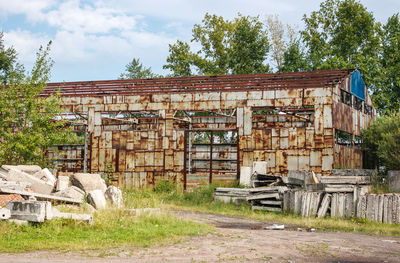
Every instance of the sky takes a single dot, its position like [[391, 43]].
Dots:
[[94, 40]]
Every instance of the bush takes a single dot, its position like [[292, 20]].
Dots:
[[382, 141]]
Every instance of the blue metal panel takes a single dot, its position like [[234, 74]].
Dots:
[[357, 85]]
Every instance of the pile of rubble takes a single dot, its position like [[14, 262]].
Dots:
[[28, 192], [344, 194]]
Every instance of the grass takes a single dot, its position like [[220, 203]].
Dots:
[[201, 200], [111, 229]]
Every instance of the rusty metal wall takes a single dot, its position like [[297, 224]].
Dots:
[[290, 128], [66, 158]]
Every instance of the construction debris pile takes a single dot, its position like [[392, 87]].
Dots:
[[342, 195], [29, 192]]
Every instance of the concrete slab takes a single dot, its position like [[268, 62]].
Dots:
[[62, 183], [5, 213], [88, 182], [32, 211], [393, 179], [97, 199], [113, 195], [37, 185], [245, 175], [72, 192], [46, 175]]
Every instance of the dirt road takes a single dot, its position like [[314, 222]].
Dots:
[[241, 240]]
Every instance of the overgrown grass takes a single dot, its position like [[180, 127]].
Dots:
[[112, 228], [201, 200]]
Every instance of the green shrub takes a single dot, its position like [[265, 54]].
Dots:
[[382, 142]]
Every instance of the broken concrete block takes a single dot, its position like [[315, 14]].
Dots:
[[97, 199], [245, 175], [324, 205], [300, 178], [4, 198], [37, 185], [393, 179], [29, 169], [62, 183], [88, 182], [45, 175], [260, 167], [5, 213], [72, 192], [81, 217], [88, 208], [114, 195], [17, 186], [33, 211]]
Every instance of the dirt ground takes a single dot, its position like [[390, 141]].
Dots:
[[241, 240]]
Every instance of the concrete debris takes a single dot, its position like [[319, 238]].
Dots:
[[62, 183], [114, 196], [52, 198], [37, 185], [5, 197], [71, 192], [5, 213], [32, 211], [17, 186], [234, 195], [245, 175], [74, 216], [29, 169], [97, 199], [88, 182], [46, 176], [393, 179]]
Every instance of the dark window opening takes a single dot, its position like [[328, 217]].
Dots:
[[358, 103], [343, 138], [345, 97]]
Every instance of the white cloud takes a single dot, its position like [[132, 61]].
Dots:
[[26, 43], [33, 9]]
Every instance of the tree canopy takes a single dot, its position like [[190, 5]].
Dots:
[[28, 122], [239, 46], [136, 70]]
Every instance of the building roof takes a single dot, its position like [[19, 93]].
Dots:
[[312, 79]]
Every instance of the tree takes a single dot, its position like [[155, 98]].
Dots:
[[136, 70], [8, 61], [180, 59], [294, 58], [226, 47], [387, 92], [382, 141], [342, 34], [28, 121]]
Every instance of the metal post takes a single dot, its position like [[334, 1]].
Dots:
[[211, 156], [85, 152]]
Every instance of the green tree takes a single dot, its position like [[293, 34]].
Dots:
[[28, 121], [226, 47], [180, 59], [8, 61], [136, 70], [342, 34], [387, 92], [382, 140], [294, 58]]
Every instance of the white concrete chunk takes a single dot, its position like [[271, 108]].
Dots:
[[245, 175], [62, 183], [97, 199], [114, 195], [88, 182], [5, 213]]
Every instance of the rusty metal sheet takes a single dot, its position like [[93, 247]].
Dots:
[[315, 158]]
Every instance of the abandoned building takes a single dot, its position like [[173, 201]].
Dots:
[[203, 129]]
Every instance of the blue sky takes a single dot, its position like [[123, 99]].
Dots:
[[94, 40]]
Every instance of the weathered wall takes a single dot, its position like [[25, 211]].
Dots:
[[291, 127]]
